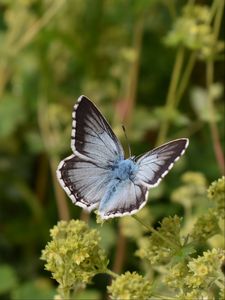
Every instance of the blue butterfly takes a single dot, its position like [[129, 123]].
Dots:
[[97, 175]]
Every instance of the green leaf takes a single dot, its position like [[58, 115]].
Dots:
[[182, 254], [8, 278], [36, 290], [11, 115]]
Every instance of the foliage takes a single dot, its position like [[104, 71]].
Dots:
[[158, 250], [155, 66], [193, 30], [74, 257]]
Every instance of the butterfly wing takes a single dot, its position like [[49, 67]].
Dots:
[[155, 164], [83, 181], [127, 199], [131, 195], [92, 136], [85, 175]]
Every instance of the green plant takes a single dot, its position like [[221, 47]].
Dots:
[[158, 66], [74, 257]]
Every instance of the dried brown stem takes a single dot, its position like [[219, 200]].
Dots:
[[131, 96], [46, 135]]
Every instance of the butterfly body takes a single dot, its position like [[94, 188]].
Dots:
[[98, 176], [123, 173], [124, 169]]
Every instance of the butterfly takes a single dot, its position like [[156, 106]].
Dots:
[[97, 174]]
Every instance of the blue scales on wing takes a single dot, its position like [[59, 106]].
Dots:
[[125, 194]]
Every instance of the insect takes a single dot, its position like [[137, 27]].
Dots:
[[97, 174]]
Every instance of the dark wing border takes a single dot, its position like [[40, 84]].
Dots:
[[162, 173], [75, 199], [126, 213], [89, 103]]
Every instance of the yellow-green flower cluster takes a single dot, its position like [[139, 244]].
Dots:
[[216, 193], [195, 276], [156, 249], [194, 31], [74, 255], [192, 190], [205, 227], [206, 268], [175, 277], [130, 286]]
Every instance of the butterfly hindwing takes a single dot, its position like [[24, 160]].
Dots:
[[127, 199], [84, 182], [155, 164]]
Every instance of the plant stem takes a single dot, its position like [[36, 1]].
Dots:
[[150, 228], [209, 82], [134, 72], [131, 96], [186, 76], [111, 273], [212, 122], [162, 297], [171, 96], [61, 201], [16, 44], [65, 293], [120, 252], [35, 28], [219, 284], [45, 132], [218, 18]]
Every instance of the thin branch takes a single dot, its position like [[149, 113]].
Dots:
[[171, 95], [131, 96], [45, 131], [218, 18], [186, 77], [16, 45], [212, 123], [209, 81], [33, 30], [151, 229], [133, 79], [120, 252]]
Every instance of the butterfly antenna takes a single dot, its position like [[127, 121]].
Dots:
[[124, 130]]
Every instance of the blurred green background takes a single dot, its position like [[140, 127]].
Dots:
[[146, 64]]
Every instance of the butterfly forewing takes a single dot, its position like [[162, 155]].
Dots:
[[155, 164], [86, 174], [92, 136]]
